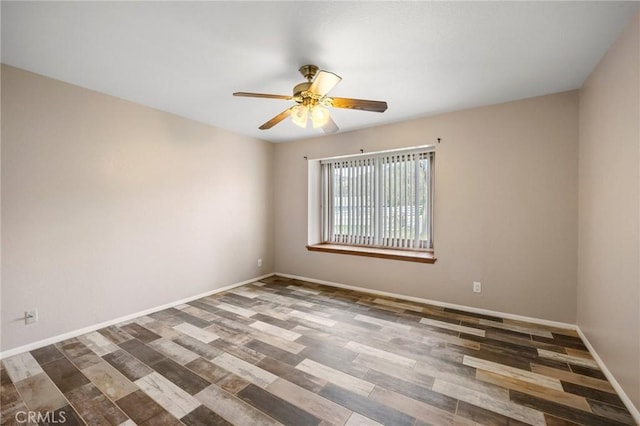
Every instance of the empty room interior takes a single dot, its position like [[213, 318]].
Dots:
[[320, 213]]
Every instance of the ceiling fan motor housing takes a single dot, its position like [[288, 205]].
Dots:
[[300, 91]]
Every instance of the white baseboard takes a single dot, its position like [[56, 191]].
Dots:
[[437, 303], [89, 329], [621, 393]]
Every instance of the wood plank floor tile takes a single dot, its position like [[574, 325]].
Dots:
[[555, 421], [595, 394], [540, 391], [163, 328], [247, 371], [360, 420], [244, 292], [381, 322], [127, 364], [482, 416], [613, 412], [11, 402], [166, 394], [561, 340], [65, 375], [356, 385], [571, 359], [172, 350], [21, 366], [196, 346], [521, 329], [139, 332], [99, 344], [232, 409], [279, 409], [46, 354], [164, 419], [384, 355], [496, 353], [202, 416], [236, 310], [185, 379], [114, 334], [311, 402], [335, 357], [506, 408], [78, 353], [140, 407], [365, 406], [39, 393], [327, 322], [578, 379], [192, 320], [454, 374], [109, 380], [232, 383], [285, 345], [276, 331], [293, 375], [454, 327], [560, 411], [468, 314], [239, 351], [515, 373], [94, 407], [196, 332], [587, 371], [70, 416], [274, 352], [200, 313], [207, 370], [165, 314], [421, 411], [142, 352], [412, 390]]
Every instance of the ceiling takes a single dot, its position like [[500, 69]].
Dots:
[[423, 58]]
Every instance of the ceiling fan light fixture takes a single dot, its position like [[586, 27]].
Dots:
[[299, 115], [319, 116]]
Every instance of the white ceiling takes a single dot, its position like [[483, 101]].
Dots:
[[423, 58]]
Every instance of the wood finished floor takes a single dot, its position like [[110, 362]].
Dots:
[[281, 351]]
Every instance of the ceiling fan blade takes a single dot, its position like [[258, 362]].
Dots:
[[324, 82], [275, 120], [262, 95], [359, 104], [330, 127]]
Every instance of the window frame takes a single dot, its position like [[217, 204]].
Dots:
[[402, 248]]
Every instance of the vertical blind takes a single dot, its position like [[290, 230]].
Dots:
[[381, 200]]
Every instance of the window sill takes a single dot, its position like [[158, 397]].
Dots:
[[382, 253]]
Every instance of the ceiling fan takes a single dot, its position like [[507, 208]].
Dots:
[[312, 101]]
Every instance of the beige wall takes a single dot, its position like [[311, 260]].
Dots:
[[609, 210], [505, 214], [110, 207]]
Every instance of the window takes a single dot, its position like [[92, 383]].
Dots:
[[382, 200]]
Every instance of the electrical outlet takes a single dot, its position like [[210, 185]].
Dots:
[[477, 287], [30, 316], [259, 263]]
